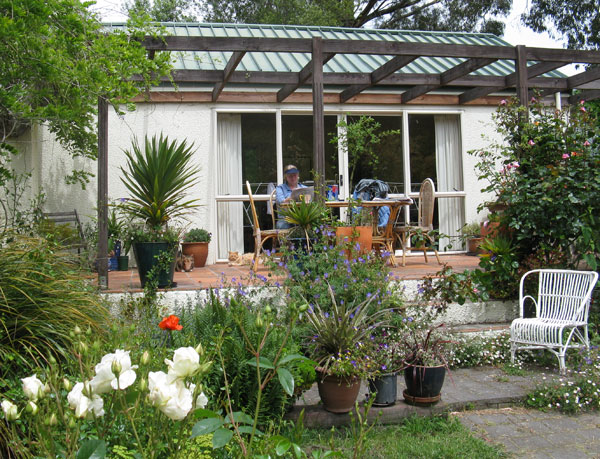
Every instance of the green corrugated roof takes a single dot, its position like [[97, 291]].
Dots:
[[342, 63]]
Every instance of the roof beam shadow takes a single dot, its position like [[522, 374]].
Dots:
[[377, 75], [303, 77], [234, 61], [447, 77]]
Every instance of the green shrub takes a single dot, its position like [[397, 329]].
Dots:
[[197, 235], [223, 322], [43, 297]]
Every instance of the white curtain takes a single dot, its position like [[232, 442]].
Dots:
[[230, 215], [449, 176]]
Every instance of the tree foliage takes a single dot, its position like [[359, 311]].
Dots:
[[453, 15], [56, 61], [162, 10], [577, 21]]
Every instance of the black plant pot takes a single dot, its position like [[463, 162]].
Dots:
[[423, 384], [147, 258], [384, 388]]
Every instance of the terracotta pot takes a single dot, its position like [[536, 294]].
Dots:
[[199, 250], [361, 234], [473, 244], [338, 394]]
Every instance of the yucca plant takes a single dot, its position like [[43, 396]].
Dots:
[[306, 216], [43, 297], [158, 178]]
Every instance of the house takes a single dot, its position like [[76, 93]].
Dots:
[[253, 98]]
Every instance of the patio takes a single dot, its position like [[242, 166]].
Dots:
[[211, 275]]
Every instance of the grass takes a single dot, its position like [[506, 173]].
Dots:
[[417, 437]]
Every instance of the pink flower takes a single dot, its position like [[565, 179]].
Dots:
[[565, 156], [503, 102], [582, 108], [514, 164], [531, 142], [586, 144], [573, 153]]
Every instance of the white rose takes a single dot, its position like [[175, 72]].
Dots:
[[170, 396], [83, 405], [11, 411], [186, 362], [107, 375], [33, 388], [201, 400]]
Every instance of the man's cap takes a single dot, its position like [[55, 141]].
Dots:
[[291, 169]]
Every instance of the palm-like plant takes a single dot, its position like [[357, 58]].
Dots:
[[158, 178], [305, 215]]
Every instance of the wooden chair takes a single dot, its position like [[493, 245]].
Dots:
[[562, 305], [384, 238], [260, 236], [424, 224]]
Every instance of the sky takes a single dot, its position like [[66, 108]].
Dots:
[[515, 33]]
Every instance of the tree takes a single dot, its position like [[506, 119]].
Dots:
[[455, 15], [577, 21], [56, 61], [162, 10]]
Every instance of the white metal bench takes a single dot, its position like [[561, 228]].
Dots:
[[561, 305]]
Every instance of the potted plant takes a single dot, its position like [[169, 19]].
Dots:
[[158, 177], [426, 364], [472, 234], [339, 343], [195, 243], [387, 356], [359, 229], [306, 217]]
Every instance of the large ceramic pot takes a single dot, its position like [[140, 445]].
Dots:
[[338, 394], [423, 384], [146, 255], [199, 250], [384, 388]]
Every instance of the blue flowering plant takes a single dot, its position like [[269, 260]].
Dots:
[[387, 351], [339, 339], [355, 278]]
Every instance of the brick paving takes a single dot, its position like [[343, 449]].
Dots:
[[211, 275]]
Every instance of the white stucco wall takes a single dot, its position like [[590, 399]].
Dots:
[[193, 122]]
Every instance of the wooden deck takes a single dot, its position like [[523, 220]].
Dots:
[[212, 275]]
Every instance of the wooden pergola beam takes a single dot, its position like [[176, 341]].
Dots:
[[447, 77], [509, 81], [302, 45], [303, 76], [232, 64], [377, 75]]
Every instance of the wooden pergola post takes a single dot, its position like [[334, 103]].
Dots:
[[522, 86], [102, 256], [318, 117]]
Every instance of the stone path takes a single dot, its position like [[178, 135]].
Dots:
[[529, 434], [486, 400]]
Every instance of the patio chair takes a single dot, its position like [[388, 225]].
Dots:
[[260, 236], [561, 305], [424, 224]]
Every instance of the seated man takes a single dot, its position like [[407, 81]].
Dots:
[[283, 192]]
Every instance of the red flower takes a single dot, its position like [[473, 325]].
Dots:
[[170, 323]]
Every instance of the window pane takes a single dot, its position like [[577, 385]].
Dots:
[[259, 151], [389, 165], [421, 130], [297, 140]]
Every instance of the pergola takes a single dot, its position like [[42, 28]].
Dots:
[[457, 85]]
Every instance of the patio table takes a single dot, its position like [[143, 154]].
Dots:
[[381, 236]]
